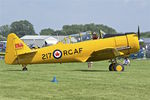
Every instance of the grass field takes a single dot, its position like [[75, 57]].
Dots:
[[75, 82]]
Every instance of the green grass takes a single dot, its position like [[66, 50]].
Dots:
[[75, 82]]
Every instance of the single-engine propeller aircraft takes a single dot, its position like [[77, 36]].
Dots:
[[107, 48]]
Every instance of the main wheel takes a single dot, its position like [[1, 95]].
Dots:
[[118, 67], [111, 67]]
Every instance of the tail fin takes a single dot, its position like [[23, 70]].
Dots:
[[15, 47]]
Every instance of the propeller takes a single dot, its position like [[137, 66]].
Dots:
[[138, 33]]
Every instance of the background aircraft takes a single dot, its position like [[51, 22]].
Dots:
[[107, 48]]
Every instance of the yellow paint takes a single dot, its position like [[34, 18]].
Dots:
[[118, 68], [91, 50]]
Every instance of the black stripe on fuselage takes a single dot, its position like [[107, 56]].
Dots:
[[114, 35]]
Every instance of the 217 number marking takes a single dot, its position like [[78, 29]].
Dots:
[[46, 56]]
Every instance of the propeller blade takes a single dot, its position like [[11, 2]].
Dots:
[[138, 33]]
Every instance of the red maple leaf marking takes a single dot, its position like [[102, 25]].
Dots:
[[57, 53]]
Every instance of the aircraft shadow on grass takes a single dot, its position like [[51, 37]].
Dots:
[[82, 70], [13, 70], [88, 70]]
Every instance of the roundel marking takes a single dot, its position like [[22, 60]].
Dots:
[[57, 54]]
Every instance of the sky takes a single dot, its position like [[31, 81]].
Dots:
[[122, 15]]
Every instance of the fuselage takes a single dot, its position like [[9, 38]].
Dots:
[[81, 51]]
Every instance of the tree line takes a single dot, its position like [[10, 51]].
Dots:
[[24, 27], [74, 29], [20, 28], [145, 34]]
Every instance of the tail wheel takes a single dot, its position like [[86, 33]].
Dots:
[[111, 67], [24, 69], [118, 67]]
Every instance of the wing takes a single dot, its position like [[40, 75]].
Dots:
[[104, 54]]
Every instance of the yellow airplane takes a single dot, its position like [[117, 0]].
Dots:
[[107, 48]]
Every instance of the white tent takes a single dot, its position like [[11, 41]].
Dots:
[[51, 40], [39, 40]]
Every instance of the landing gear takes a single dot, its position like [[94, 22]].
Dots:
[[114, 66], [111, 67], [24, 68], [118, 67]]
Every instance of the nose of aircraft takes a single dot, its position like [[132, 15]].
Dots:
[[133, 43]]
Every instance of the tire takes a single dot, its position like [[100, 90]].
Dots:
[[24, 69], [118, 67], [111, 67]]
